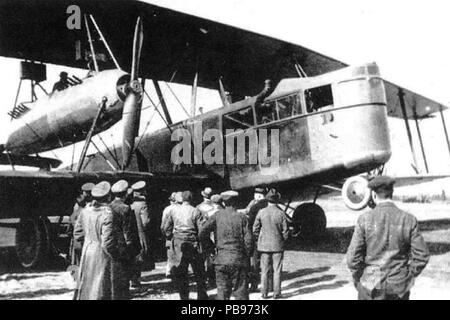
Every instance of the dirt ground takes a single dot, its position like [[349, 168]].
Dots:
[[313, 268]]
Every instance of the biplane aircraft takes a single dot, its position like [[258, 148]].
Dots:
[[331, 118]]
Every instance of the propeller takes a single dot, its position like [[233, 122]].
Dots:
[[132, 104]]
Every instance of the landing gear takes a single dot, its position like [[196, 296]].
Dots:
[[356, 194], [309, 219], [33, 241]]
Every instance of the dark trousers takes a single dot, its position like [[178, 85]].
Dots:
[[271, 262], [255, 270], [190, 256], [231, 279]]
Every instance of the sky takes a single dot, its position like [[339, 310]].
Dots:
[[407, 39]]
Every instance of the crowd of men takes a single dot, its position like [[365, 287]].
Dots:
[[231, 249], [110, 242]]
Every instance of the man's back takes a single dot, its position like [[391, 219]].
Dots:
[[206, 208], [271, 229], [184, 221], [387, 249], [167, 210], [233, 236], [129, 226]]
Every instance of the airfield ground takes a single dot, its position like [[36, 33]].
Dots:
[[313, 268]]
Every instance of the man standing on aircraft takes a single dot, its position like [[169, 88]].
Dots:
[[143, 220], [234, 247], [129, 228], [63, 82], [271, 230], [104, 247], [182, 229], [252, 210], [83, 200], [387, 251], [172, 206]]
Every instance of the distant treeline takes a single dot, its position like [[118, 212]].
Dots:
[[423, 198]]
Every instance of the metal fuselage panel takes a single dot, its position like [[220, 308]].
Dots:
[[64, 117], [346, 138]]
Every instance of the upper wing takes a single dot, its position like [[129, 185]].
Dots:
[[53, 193], [175, 43], [416, 105]]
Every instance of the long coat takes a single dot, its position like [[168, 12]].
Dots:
[[271, 229], [104, 246], [387, 250], [129, 227], [145, 231], [234, 241]]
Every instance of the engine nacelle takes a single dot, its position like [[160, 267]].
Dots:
[[355, 193]]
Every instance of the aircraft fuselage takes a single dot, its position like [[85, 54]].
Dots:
[[65, 117]]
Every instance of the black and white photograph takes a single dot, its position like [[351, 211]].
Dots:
[[224, 150]]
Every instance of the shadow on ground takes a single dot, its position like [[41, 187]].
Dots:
[[34, 294], [337, 240]]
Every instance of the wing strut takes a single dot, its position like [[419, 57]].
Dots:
[[104, 42], [445, 128], [401, 97], [91, 45], [420, 140], [163, 102], [194, 95], [89, 135]]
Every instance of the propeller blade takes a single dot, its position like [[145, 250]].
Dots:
[[137, 46], [130, 118], [132, 104]]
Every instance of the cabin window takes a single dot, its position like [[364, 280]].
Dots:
[[267, 112], [278, 109], [288, 106], [242, 119], [317, 98]]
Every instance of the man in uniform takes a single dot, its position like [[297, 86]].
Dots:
[[271, 230], [142, 216], [104, 248], [129, 227], [387, 251], [234, 247], [172, 205], [182, 229], [83, 200], [252, 210]]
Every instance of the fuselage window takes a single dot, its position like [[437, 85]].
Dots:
[[266, 112], [242, 119], [288, 106], [318, 98], [278, 109]]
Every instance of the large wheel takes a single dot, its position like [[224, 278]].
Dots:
[[355, 193], [309, 219], [32, 242]]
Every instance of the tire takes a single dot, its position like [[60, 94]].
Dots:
[[355, 193], [309, 219], [32, 243]]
